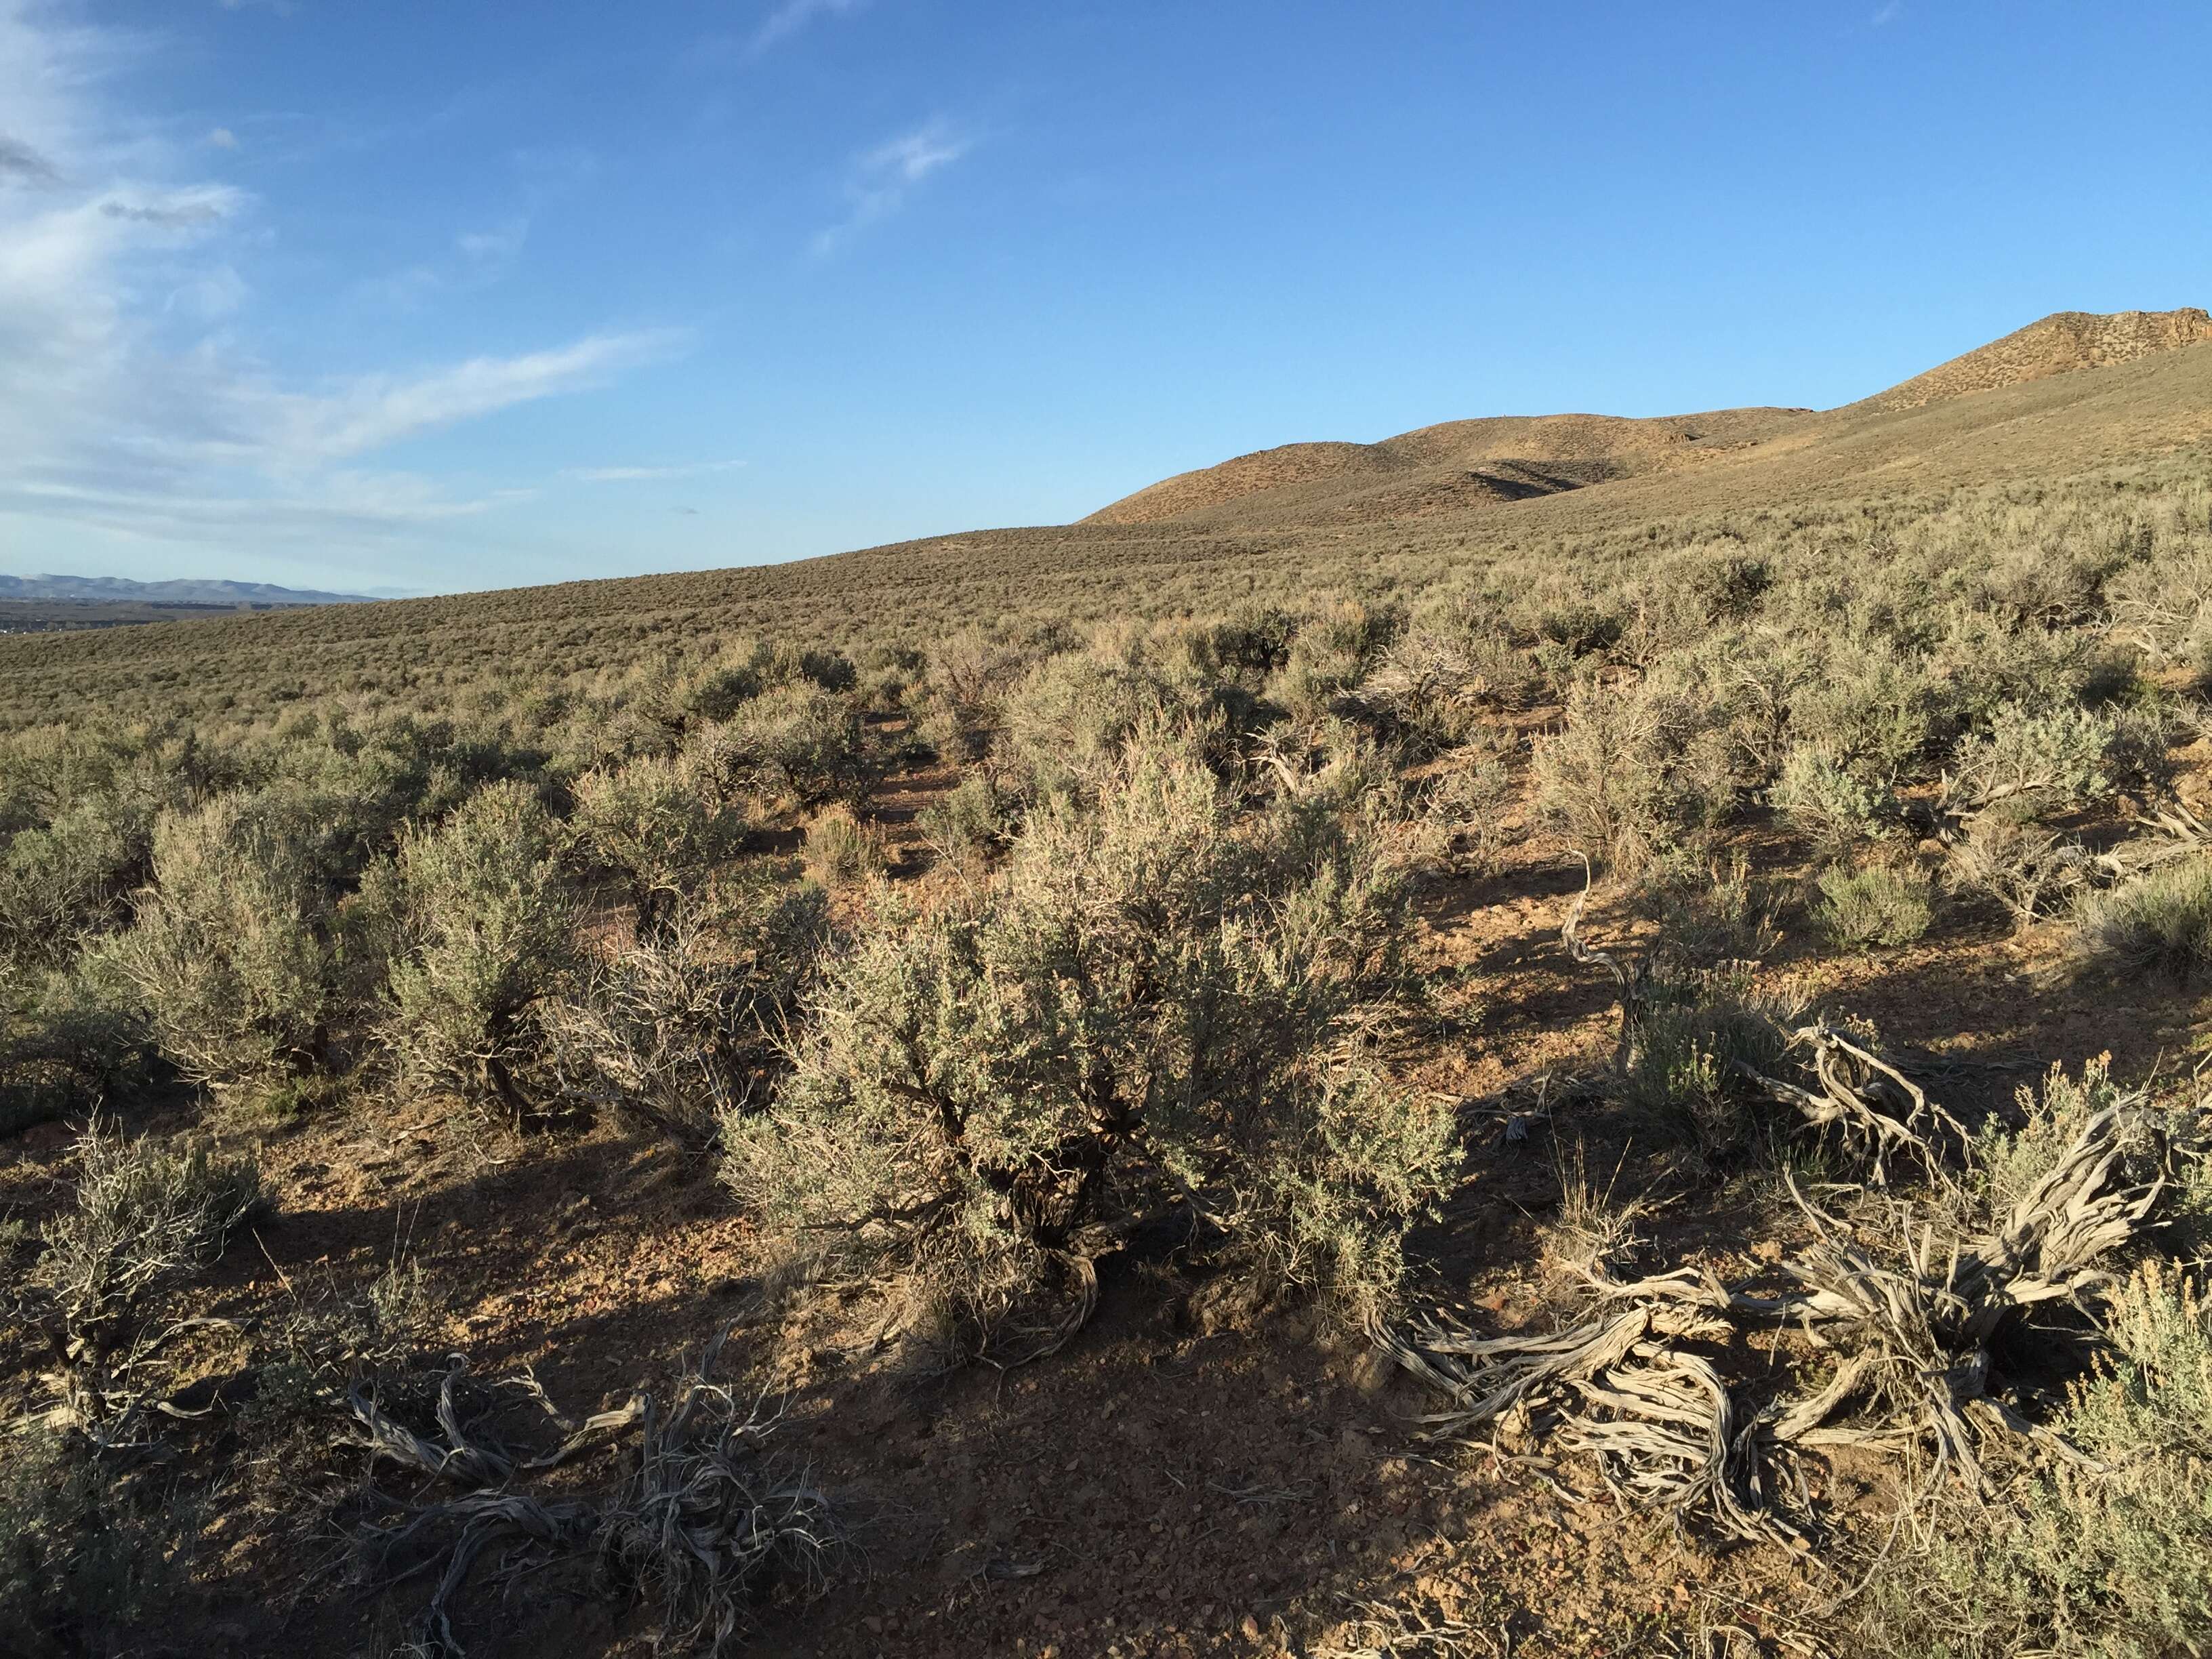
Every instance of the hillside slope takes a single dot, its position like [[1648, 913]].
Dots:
[[1501, 458], [1509, 459], [2063, 343]]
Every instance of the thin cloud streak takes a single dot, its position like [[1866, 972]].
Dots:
[[794, 15], [881, 178], [647, 474]]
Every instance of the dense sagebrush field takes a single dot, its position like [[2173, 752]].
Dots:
[[965, 1098]]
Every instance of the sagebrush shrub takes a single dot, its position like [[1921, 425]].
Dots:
[[802, 742], [77, 1568], [688, 1028], [1872, 711], [1636, 774], [488, 929], [1468, 800], [2030, 869], [654, 825], [2045, 759], [71, 1038], [145, 1214], [1068, 716], [1145, 1009], [1875, 905], [970, 825], [1697, 1035], [2106, 1562], [234, 953], [1824, 802], [841, 850], [2159, 923]]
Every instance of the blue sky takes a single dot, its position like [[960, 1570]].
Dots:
[[448, 296]]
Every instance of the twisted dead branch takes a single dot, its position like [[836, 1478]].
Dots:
[[1848, 1086], [1875, 1106], [1912, 1327], [704, 1523]]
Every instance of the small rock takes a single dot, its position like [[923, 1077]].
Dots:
[[1372, 1371]]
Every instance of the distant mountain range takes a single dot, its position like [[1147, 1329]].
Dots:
[[120, 590]]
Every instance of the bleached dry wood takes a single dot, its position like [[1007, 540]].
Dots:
[[1912, 1327]]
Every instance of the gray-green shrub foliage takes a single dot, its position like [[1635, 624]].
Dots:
[[1149, 1006], [488, 930], [1874, 904], [1637, 773], [235, 953]]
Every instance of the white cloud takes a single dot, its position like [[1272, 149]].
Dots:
[[129, 397], [1889, 13], [498, 245], [881, 178], [647, 474], [221, 138], [375, 411], [789, 18]]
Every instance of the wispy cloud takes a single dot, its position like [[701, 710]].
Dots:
[[1888, 14], [21, 165], [129, 398], [881, 178], [221, 138], [494, 246], [793, 15], [375, 411], [647, 474]]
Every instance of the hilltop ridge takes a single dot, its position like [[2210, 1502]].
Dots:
[[1500, 459], [2064, 342]]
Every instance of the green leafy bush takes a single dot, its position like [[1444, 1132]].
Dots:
[[1147, 1009]]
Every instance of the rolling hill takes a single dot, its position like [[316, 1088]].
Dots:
[[1464, 465]]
